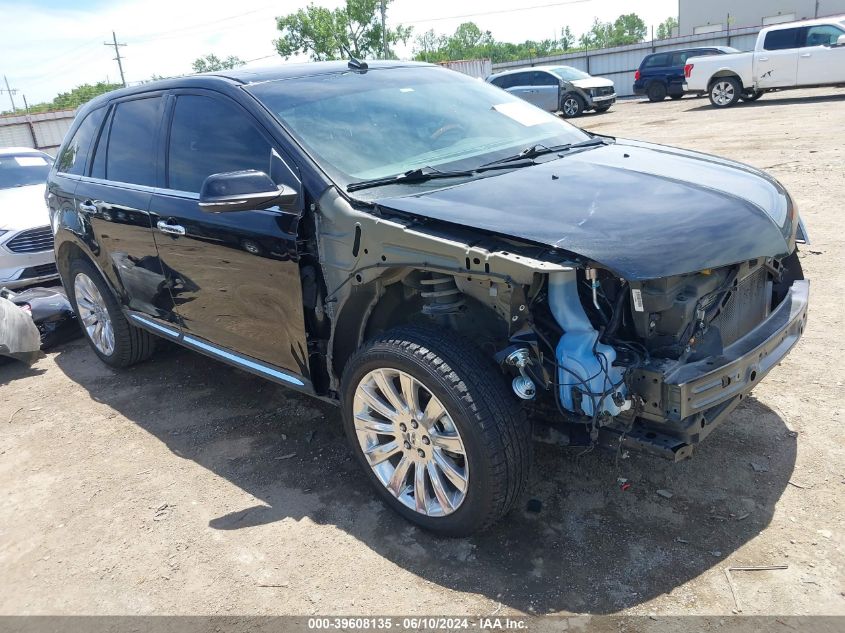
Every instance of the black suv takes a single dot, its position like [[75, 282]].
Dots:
[[435, 255]]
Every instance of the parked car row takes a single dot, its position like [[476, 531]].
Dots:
[[802, 54], [792, 55]]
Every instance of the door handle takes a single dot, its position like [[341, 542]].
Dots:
[[88, 207], [763, 59], [806, 54], [170, 229]]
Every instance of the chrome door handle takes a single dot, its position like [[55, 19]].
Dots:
[[763, 59], [88, 207], [806, 54], [170, 229]]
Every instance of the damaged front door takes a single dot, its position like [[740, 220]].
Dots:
[[235, 275]]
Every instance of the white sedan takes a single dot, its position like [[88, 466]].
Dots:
[[26, 240]]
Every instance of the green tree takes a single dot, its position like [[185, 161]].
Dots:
[[212, 63], [74, 98], [567, 38], [665, 28], [628, 29], [429, 46], [326, 34], [599, 35]]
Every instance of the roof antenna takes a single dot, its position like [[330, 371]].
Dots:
[[354, 63]]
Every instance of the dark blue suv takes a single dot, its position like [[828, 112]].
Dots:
[[662, 74]]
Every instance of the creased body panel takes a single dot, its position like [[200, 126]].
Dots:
[[636, 209]]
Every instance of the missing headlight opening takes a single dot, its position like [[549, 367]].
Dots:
[[644, 363]]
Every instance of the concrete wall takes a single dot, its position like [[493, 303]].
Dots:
[[43, 131], [697, 14]]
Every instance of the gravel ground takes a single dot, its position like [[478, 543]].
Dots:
[[182, 486]]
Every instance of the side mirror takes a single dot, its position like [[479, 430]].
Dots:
[[243, 191], [840, 41]]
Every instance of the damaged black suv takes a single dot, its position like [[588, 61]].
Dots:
[[436, 256]]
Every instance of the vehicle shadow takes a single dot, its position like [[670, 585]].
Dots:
[[11, 369], [774, 100], [593, 547]]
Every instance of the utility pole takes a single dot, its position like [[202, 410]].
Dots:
[[383, 31], [11, 94], [117, 56]]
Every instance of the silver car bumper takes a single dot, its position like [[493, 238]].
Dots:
[[25, 269]]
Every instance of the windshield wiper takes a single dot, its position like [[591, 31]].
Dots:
[[422, 174], [538, 150]]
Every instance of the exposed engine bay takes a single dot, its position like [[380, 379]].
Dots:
[[608, 349]]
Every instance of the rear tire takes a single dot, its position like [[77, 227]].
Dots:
[[676, 97], [656, 92], [417, 372], [724, 92], [118, 344], [751, 95]]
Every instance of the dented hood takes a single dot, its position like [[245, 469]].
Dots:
[[644, 211]]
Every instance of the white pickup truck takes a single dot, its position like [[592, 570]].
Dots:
[[793, 55]]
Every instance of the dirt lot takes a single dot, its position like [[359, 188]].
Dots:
[[182, 486]]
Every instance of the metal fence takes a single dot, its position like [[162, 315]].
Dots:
[[621, 62], [43, 131]]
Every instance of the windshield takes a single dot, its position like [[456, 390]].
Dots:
[[383, 122], [568, 73], [20, 170]]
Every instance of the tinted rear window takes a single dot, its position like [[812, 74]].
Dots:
[[781, 39], [131, 152], [75, 154], [656, 60]]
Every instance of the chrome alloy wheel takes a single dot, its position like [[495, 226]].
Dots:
[[410, 441], [93, 314], [722, 92], [571, 106]]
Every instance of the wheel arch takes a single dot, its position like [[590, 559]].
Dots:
[[70, 250], [722, 73], [390, 301]]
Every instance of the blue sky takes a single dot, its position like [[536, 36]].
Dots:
[[49, 46]]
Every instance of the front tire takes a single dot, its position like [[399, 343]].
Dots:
[[571, 106], [435, 427], [725, 92], [111, 336]]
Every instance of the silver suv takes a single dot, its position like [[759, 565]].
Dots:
[[558, 89]]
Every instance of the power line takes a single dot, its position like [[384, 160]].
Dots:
[[117, 58], [159, 35]]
